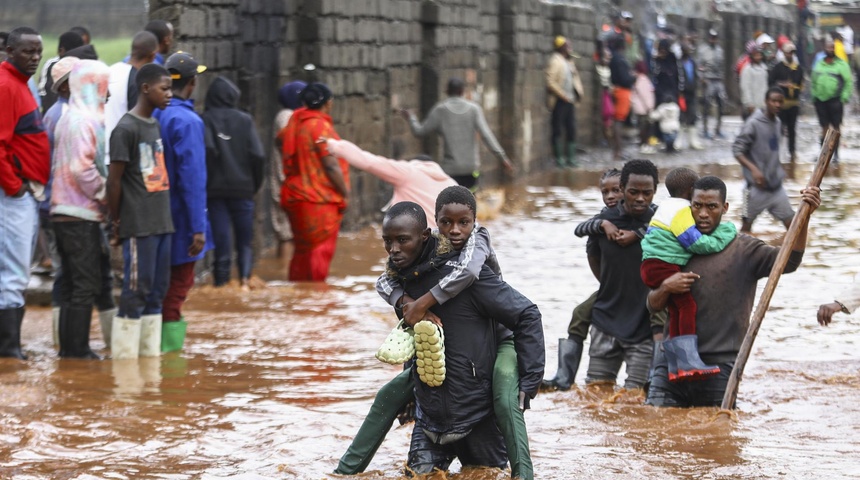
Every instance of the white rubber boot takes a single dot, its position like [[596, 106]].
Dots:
[[695, 144], [106, 322], [125, 338], [150, 335], [55, 320]]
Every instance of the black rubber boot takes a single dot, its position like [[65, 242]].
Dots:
[[690, 365], [569, 354], [671, 359], [75, 332], [10, 333]]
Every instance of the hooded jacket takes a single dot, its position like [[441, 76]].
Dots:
[[234, 155], [466, 396], [78, 187], [759, 141], [413, 180]]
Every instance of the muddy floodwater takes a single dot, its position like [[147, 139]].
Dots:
[[273, 383]]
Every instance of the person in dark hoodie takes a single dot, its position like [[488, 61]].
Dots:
[[234, 170], [67, 41], [455, 419]]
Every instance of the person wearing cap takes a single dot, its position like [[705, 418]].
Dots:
[[78, 205], [288, 97], [123, 85], [753, 83], [182, 132], [60, 85], [832, 85], [67, 41], [457, 120], [564, 90], [788, 75], [711, 63], [767, 45], [316, 190]]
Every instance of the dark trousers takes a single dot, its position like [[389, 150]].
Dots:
[[563, 123], [688, 117], [84, 256], [483, 447], [682, 306], [104, 300], [789, 119], [701, 393], [232, 220], [146, 275], [181, 281], [830, 115]]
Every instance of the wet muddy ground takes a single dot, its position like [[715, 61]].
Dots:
[[273, 383]]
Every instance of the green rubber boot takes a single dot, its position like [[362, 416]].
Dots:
[[173, 335], [571, 155], [558, 149]]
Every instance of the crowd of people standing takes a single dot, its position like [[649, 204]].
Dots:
[[662, 83]]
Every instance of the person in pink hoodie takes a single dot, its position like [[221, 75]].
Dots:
[[418, 180], [642, 104], [78, 204]]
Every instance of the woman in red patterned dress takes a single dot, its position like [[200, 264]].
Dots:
[[315, 191]]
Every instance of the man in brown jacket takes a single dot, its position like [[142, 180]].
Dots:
[[564, 89]]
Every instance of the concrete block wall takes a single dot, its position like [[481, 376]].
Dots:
[[383, 55]]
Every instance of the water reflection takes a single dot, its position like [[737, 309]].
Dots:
[[274, 382]]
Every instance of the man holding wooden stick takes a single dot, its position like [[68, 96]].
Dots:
[[724, 287]]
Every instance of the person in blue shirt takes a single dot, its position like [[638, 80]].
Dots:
[[182, 132], [163, 31]]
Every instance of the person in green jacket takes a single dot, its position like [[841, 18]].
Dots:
[[832, 84]]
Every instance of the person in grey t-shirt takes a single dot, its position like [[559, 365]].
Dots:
[[456, 120]]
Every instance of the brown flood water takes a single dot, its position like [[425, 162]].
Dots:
[[273, 383]]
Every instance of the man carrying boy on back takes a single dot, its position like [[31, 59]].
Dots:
[[139, 204], [182, 131], [455, 419]]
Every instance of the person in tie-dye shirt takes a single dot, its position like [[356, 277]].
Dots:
[[78, 203]]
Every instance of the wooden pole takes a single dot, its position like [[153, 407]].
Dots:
[[800, 221]]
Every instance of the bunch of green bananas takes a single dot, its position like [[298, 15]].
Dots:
[[430, 350]]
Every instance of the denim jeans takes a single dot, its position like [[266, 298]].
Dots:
[[232, 218], [19, 222], [146, 267]]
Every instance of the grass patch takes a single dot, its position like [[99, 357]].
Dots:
[[109, 50]]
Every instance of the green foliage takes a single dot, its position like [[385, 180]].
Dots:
[[109, 50]]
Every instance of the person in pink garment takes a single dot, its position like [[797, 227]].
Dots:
[[418, 180]]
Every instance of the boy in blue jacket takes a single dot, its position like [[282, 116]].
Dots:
[[182, 131]]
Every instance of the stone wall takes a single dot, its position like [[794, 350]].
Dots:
[[382, 55]]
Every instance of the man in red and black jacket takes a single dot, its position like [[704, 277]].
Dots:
[[24, 167]]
